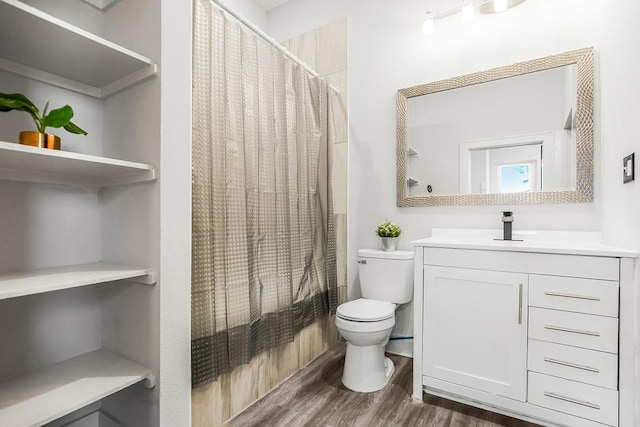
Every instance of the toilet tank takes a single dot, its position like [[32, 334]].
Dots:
[[386, 276]]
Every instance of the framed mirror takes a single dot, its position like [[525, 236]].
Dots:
[[518, 134]]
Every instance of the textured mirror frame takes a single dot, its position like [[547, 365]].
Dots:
[[584, 60]]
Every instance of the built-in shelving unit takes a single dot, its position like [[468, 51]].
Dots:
[[55, 226], [32, 164], [39, 281], [57, 390], [42, 47]]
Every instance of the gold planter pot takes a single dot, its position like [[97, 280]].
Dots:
[[39, 139]]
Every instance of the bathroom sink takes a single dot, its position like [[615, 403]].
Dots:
[[574, 242]]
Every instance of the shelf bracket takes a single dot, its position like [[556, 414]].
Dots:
[[149, 382], [102, 5], [127, 81], [151, 278], [132, 178]]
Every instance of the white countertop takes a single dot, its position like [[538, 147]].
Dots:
[[572, 243]]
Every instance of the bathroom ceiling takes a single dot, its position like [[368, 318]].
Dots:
[[267, 5]]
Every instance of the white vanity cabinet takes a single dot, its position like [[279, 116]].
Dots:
[[539, 331]]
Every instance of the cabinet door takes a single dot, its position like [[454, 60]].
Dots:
[[475, 329]]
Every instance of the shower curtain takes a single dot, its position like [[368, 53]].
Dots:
[[263, 238]]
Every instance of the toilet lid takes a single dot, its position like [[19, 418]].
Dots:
[[366, 310]]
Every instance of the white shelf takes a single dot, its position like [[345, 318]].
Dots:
[[412, 152], [50, 393], [13, 285], [31, 164], [45, 48], [411, 182]]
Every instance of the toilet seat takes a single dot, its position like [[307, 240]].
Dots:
[[366, 310]]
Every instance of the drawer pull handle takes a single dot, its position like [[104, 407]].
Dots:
[[520, 305], [572, 365], [573, 331], [558, 294], [569, 399]]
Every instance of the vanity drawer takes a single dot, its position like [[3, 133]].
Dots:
[[580, 330], [588, 267], [573, 363], [582, 400], [569, 293]]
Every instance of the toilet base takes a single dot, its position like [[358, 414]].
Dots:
[[366, 369]]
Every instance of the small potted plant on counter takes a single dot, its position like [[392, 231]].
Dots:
[[389, 235], [60, 117]]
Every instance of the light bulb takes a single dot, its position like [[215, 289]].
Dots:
[[468, 11], [500, 5], [427, 25]]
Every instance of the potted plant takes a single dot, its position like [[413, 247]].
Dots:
[[389, 235], [60, 117]]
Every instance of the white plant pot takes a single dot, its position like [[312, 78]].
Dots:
[[389, 244]]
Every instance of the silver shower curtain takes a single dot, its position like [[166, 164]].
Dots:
[[263, 244]]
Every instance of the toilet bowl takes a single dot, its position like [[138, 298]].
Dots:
[[386, 281], [366, 326]]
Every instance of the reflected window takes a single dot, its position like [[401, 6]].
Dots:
[[516, 178]]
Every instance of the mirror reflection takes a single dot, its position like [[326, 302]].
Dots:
[[512, 135]]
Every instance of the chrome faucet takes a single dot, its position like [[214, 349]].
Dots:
[[507, 225]]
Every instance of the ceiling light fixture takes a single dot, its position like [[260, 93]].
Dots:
[[468, 11], [500, 5], [496, 6]]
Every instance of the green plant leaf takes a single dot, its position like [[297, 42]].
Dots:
[[58, 118], [11, 104], [388, 229], [8, 104], [73, 128], [18, 99], [19, 102]]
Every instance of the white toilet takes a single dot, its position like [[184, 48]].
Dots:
[[386, 281]]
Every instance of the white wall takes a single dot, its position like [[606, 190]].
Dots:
[[175, 217], [620, 92], [388, 52]]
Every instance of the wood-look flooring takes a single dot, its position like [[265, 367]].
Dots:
[[315, 396]]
